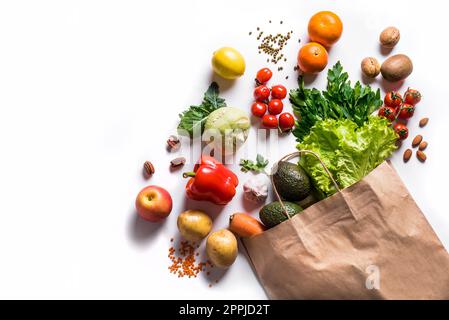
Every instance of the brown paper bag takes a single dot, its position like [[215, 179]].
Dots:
[[369, 241]]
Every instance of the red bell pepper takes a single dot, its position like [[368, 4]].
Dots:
[[211, 181]]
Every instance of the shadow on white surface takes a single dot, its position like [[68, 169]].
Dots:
[[141, 231], [223, 84], [309, 78], [367, 80], [388, 86], [385, 51], [256, 121], [179, 168]]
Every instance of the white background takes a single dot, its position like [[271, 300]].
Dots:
[[89, 90]]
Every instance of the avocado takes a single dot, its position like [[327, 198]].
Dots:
[[291, 181], [272, 214]]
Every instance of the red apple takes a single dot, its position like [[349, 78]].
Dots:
[[154, 203]]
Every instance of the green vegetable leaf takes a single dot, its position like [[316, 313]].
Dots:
[[211, 97], [339, 101], [349, 152], [258, 166], [195, 117]]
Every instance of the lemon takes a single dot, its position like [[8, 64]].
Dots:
[[228, 63]]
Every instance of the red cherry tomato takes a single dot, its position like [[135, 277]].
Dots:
[[286, 121], [275, 106], [393, 99], [412, 96], [270, 121], [401, 130], [258, 109], [387, 112], [261, 93], [263, 76], [278, 92], [407, 111]]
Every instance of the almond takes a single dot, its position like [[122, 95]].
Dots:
[[423, 145], [421, 156], [423, 122], [417, 141], [407, 155]]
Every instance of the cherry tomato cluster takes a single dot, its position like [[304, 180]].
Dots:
[[271, 100], [398, 107]]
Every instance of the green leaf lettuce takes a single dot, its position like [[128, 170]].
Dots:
[[349, 151]]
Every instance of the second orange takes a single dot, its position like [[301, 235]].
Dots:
[[312, 58]]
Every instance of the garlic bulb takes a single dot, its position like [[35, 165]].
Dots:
[[255, 189]]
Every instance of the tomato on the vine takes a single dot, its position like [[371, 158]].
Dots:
[[387, 112], [286, 121], [263, 75], [412, 96], [278, 92], [270, 121], [261, 93], [407, 111], [401, 130], [258, 109], [393, 99], [275, 106]]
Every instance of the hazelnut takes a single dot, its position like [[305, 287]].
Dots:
[[370, 67], [390, 37]]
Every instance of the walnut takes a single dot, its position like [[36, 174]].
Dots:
[[390, 37], [370, 67]]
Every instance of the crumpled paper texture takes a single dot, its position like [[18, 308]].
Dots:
[[369, 241]]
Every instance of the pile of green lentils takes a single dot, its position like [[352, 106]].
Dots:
[[272, 45]]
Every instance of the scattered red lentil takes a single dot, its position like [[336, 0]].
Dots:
[[184, 264]]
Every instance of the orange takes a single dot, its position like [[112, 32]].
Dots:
[[325, 27], [312, 58]]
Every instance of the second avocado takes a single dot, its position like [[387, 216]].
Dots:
[[273, 213], [291, 181]]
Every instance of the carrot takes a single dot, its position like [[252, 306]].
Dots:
[[244, 225]]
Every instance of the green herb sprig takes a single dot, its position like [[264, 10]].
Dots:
[[339, 101], [258, 166]]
